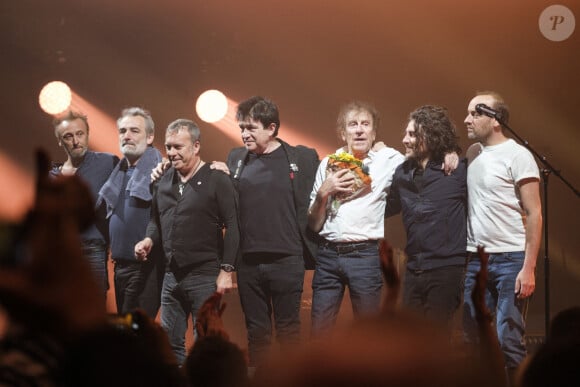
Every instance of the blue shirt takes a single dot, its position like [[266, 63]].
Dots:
[[128, 222]]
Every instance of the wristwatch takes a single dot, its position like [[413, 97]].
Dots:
[[227, 267]]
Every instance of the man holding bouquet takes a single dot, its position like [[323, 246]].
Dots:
[[347, 207]]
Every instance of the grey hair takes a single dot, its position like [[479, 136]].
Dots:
[[137, 111]]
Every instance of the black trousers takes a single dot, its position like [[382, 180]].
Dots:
[[138, 285], [270, 285], [435, 293]]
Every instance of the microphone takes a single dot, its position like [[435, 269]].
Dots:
[[238, 168], [482, 108]]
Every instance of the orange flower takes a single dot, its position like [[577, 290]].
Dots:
[[345, 160]]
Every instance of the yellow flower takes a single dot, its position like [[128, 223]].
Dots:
[[346, 158]]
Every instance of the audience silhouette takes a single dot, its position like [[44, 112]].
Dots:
[[214, 361]]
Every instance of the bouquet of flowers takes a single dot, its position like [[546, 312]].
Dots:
[[362, 180]]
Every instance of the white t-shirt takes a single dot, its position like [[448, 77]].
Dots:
[[362, 218], [496, 218]]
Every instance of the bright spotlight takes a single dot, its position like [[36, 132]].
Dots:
[[211, 106], [55, 97]]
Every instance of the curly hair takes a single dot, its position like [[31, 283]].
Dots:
[[434, 130]]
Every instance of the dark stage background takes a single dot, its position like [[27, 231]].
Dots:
[[309, 56]]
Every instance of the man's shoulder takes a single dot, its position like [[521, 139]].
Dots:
[[473, 151], [306, 150], [507, 150], [386, 160], [405, 167], [299, 150], [237, 153], [219, 178], [517, 149], [386, 155], [393, 153], [103, 157], [150, 158], [167, 177], [216, 173], [156, 152]]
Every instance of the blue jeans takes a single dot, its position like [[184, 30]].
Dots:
[[359, 270], [270, 284], [434, 293], [501, 301], [95, 251], [180, 299]]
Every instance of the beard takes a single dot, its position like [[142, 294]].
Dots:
[[133, 151]]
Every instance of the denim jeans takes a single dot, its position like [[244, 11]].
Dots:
[[180, 299], [270, 284], [95, 251], [359, 270], [502, 302], [435, 293], [137, 285]]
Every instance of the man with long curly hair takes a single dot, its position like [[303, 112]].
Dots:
[[434, 208]]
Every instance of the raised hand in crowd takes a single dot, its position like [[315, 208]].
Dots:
[[214, 360], [131, 350], [47, 290], [391, 275], [153, 336], [209, 318], [48, 260]]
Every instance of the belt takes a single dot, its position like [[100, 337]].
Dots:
[[348, 247]]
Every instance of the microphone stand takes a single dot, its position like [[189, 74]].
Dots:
[[546, 171]]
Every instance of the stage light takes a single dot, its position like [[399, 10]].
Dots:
[[211, 106], [55, 97]]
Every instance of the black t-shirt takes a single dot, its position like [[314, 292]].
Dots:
[[267, 211]]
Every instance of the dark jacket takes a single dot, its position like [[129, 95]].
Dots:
[[94, 170], [434, 214], [302, 165]]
